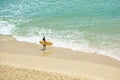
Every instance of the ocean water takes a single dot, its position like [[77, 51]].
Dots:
[[83, 25]]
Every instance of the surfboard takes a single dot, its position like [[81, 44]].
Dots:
[[45, 43]]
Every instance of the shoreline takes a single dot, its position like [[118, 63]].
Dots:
[[81, 49], [10, 37], [8, 44], [65, 61]]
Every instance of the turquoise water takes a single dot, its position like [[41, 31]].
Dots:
[[82, 25]]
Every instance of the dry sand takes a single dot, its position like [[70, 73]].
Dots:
[[26, 61], [13, 73]]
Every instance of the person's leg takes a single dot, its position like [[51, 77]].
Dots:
[[44, 47]]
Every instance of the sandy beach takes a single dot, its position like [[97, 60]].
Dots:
[[26, 61]]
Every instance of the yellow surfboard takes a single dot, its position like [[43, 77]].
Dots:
[[45, 43]]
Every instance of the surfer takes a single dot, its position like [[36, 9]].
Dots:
[[44, 45]]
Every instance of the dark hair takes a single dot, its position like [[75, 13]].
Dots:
[[44, 38]]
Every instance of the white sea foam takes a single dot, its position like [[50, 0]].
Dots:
[[63, 39], [83, 46], [6, 28]]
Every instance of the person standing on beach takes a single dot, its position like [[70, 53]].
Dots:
[[44, 45]]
